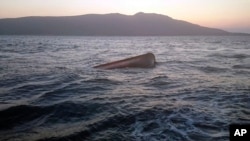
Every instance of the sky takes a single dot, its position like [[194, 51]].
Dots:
[[230, 15]]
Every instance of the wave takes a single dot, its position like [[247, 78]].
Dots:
[[183, 123], [236, 56], [161, 82], [241, 66], [156, 123], [211, 69], [58, 113], [15, 116]]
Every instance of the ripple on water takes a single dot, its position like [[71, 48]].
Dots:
[[235, 56]]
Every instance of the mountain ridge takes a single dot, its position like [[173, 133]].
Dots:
[[113, 24]]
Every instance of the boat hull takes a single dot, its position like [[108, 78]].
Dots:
[[142, 61]]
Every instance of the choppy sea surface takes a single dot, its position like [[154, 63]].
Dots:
[[49, 90]]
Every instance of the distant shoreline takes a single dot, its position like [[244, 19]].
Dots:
[[140, 24]]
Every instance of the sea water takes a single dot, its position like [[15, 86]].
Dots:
[[49, 89]]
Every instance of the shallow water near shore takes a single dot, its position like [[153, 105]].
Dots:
[[49, 90]]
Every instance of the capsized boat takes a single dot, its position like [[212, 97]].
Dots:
[[142, 61]]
